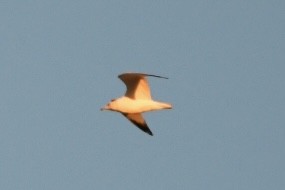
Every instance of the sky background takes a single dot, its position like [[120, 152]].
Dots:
[[59, 62]]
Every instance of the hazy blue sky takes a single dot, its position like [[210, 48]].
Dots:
[[59, 62]]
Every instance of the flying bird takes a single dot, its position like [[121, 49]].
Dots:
[[136, 100]]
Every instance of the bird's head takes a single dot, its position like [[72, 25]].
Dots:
[[110, 106]]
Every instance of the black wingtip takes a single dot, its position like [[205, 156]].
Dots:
[[150, 133], [143, 74], [147, 130], [156, 76], [139, 122]]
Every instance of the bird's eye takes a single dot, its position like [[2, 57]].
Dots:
[[112, 100]]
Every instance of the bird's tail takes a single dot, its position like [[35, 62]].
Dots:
[[164, 105]]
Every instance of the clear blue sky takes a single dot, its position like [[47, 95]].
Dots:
[[59, 62]]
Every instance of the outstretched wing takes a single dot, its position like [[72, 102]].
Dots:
[[137, 85], [139, 121]]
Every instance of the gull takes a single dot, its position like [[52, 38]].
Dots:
[[136, 100]]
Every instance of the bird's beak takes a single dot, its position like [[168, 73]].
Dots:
[[104, 108]]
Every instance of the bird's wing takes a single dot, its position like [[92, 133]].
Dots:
[[137, 85], [139, 121]]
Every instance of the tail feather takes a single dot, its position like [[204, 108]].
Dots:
[[165, 105]]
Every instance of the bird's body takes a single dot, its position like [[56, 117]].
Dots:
[[136, 100], [128, 105]]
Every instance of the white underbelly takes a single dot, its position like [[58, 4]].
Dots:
[[138, 106]]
